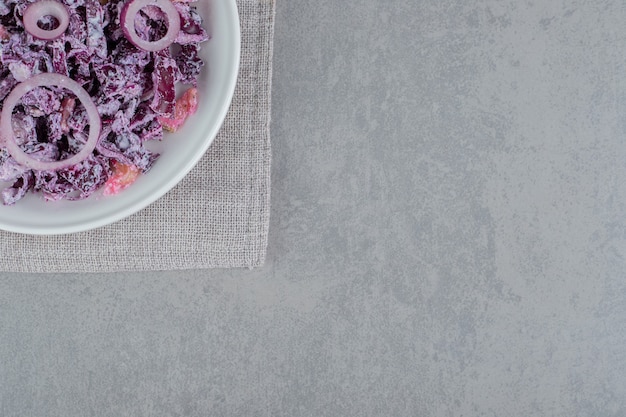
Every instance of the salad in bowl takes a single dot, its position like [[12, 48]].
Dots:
[[92, 92]]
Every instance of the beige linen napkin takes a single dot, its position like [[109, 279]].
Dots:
[[218, 216]]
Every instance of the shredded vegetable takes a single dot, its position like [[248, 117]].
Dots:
[[46, 128]]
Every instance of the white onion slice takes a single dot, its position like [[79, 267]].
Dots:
[[7, 135], [127, 19], [39, 9]]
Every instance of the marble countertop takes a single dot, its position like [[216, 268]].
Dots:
[[448, 237]]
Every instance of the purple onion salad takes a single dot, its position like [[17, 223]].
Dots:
[[85, 84]]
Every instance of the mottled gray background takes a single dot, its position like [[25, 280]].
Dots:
[[448, 237]]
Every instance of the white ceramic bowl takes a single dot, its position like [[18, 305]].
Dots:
[[179, 151]]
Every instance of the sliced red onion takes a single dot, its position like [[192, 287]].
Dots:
[[7, 136], [127, 19], [39, 9]]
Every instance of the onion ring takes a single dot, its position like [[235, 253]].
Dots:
[[39, 9], [127, 20], [7, 135]]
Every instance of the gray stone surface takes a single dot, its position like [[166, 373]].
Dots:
[[448, 237]]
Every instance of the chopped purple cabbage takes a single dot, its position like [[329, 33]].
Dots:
[[130, 87]]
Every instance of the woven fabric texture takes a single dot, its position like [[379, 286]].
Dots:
[[218, 216]]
